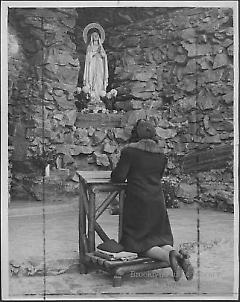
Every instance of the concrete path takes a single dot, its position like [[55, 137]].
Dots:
[[26, 237]]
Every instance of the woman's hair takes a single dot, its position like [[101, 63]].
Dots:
[[143, 130], [134, 136]]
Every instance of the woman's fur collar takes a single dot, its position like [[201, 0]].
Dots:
[[147, 145]]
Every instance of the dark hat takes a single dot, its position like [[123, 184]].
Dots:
[[110, 246], [145, 129]]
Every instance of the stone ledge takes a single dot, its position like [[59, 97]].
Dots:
[[98, 120]]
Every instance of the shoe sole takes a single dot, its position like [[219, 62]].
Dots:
[[188, 270], [177, 273], [177, 270]]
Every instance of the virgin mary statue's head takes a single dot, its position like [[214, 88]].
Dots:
[[95, 36]]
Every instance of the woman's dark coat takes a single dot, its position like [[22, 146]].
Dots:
[[145, 218]]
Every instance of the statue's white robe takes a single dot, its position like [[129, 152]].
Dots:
[[96, 70]]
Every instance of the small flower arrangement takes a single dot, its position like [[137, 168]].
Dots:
[[85, 89], [84, 95], [109, 99], [112, 93], [102, 94]]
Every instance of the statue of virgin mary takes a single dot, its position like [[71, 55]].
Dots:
[[95, 76]]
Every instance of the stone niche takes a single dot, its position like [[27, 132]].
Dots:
[[174, 67]]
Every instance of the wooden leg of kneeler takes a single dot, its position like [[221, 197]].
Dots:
[[121, 201], [91, 221], [82, 233], [117, 281], [97, 227]]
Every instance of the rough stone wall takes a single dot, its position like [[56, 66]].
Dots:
[[181, 65], [51, 68], [175, 56], [176, 69], [43, 73], [17, 68]]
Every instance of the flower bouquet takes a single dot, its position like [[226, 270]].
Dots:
[[83, 97], [109, 99]]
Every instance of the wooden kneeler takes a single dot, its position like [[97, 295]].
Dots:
[[90, 184]]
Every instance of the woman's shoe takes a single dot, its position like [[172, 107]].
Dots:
[[177, 270], [186, 265]]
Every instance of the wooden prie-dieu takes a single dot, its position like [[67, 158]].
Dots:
[[92, 182]]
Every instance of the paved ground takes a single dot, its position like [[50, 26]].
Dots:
[[26, 235]]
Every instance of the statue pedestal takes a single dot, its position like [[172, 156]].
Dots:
[[96, 106]]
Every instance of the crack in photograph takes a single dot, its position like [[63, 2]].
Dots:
[[119, 150]]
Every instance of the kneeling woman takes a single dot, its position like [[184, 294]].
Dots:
[[146, 227]]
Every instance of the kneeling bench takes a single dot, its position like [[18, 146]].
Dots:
[[90, 183], [118, 268]]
